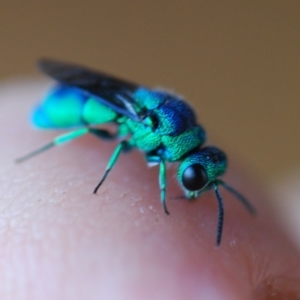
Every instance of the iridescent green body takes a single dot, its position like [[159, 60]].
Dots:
[[160, 124], [66, 107]]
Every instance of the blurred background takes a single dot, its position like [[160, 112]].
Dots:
[[237, 63]]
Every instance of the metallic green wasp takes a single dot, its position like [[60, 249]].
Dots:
[[160, 124]]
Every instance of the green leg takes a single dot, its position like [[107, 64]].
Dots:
[[113, 159], [162, 179], [68, 137], [163, 185], [59, 140]]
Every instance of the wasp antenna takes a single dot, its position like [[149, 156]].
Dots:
[[239, 196], [220, 214]]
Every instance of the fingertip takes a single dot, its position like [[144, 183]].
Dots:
[[123, 237]]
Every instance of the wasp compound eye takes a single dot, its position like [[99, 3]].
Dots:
[[194, 177]]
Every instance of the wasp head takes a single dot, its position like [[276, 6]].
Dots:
[[200, 168]]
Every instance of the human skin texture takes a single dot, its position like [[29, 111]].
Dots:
[[60, 241]]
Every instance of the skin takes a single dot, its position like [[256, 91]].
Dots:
[[60, 241]]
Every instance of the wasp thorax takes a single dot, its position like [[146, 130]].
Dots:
[[194, 177]]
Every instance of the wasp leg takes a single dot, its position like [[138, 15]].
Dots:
[[220, 214], [113, 159], [163, 185], [68, 137], [59, 140], [162, 179]]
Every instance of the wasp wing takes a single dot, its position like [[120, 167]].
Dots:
[[115, 93]]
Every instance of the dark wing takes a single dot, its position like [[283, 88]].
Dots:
[[115, 93]]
